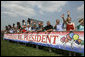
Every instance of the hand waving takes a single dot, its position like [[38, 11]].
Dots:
[[62, 16], [68, 12]]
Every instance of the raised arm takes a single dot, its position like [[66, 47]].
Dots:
[[68, 13], [64, 21], [49, 30]]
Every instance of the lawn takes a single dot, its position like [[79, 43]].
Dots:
[[19, 49], [16, 49]]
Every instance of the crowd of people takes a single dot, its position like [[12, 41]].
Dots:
[[30, 26]]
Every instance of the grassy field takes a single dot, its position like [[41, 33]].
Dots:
[[16, 49]]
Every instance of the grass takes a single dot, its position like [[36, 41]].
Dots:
[[14, 49]]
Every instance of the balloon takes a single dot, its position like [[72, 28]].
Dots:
[[68, 37], [76, 37], [66, 40], [79, 40], [71, 35], [76, 41]]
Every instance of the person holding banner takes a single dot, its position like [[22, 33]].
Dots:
[[40, 26], [70, 26], [59, 26], [23, 30], [49, 27], [28, 28]]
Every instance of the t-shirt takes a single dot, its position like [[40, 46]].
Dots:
[[23, 30], [80, 28], [19, 27], [48, 27], [59, 27], [28, 29], [39, 28], [11, 31], [24, 24], [34, 29]]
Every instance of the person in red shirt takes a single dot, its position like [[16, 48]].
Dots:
[[24, 30], [70, 26]]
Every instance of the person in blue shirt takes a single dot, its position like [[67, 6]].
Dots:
[[80, 27], [59, 26], [40, 26]]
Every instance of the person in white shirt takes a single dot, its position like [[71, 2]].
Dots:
[[10, 29], [59, 26], [34, 27], [28, 28]]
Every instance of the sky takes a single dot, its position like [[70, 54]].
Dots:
[[14, 11]]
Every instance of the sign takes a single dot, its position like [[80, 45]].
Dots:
[[72, 41]]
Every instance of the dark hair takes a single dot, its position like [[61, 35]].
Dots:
[[67, 18], [6, 27], [9, 27], [18, 23], [13, 24], [29, 20], [23, 21]]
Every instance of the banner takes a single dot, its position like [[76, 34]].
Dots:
[[72, 41]]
